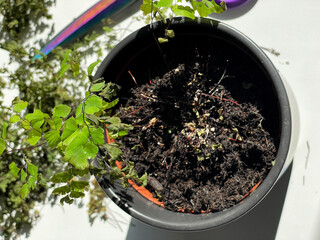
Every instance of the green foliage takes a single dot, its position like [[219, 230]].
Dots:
[[40, 88], [29, 177], [61, 190], [53, 138], [33, 137], [201, 8], [22, 16], [108, 105], [97, 87], [54, 132], [93, 104], [116, 129], [32, 169], [185, 11], [97, 136], [25, 190], [4, 130], [77, 133], [23, 175], [19, 106], [14, 169], [65, 66], [109, 91], [2, 145], [91, 67], [163, 3], [61, 111], [71, 191], [61, 177], [75, 153], [169, 33], [15, 118]]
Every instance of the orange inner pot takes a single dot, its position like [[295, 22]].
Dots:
[[142, 190]]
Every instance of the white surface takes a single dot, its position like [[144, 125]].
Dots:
[[70, 222], [291, 28]]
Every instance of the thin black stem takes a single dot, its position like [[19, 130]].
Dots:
[[22, 149]]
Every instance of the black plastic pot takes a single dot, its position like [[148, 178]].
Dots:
[[140, 54]]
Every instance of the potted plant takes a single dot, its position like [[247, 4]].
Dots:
[[192, 86], [204, 57]]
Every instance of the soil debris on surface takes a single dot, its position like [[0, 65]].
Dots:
[[203, 150]]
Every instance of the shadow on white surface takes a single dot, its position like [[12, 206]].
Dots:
[[260, 223]]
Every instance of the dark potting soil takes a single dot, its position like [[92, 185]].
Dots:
[[203, 150]]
